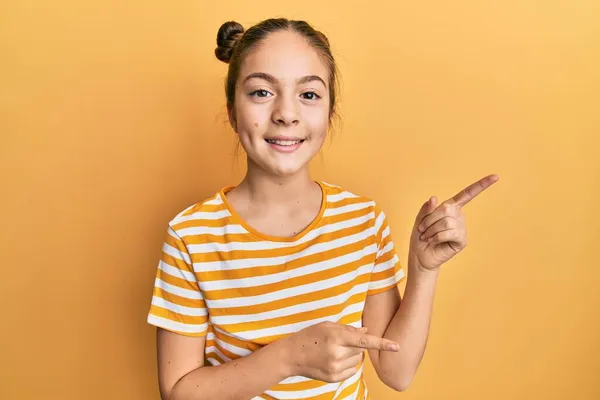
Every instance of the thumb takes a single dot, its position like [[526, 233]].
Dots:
[[427, 208]]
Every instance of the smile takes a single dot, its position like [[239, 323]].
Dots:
[[285, 145], [283, 142]]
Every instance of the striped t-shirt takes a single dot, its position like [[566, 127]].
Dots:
[[220, 278]]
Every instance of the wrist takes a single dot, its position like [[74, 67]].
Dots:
[[418, 271], [287, 360]]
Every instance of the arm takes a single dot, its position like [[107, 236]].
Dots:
[[405, 322], [183, 376], [438, 235]]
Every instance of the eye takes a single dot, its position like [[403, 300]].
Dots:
[[260, 93], [310, 96]]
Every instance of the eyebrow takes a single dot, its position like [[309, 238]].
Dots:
[[271, 79]]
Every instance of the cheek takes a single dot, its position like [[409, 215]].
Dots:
[[319, 124], [251, 119]]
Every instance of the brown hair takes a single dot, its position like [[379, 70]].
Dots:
[[234, 44]]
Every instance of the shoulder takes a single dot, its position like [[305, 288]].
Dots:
[[338, 197], [210, 211]]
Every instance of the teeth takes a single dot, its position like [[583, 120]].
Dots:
[[284, 142]]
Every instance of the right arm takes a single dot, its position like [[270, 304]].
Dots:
[[330, 352], [182, 375]]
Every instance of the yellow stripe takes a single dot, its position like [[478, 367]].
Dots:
[[181, 301], [300, 299], [277, 252], [294, 318], [286, 284]]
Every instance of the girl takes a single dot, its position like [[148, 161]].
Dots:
[[274, 283]]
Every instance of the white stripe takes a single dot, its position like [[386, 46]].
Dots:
[[228, 346], [295, 327], [264, 262], [176, 272], [284, 293], [350, 381], [176, 308], [295, 379], [388, 281], [332, 198], [385, 265], [187, 293], [387, 248], [210, 230], [213, 361], [346, 209], [303, 394], [176, 326], [379, 222], [211, 349], [214, 202], [292, 310], [181, 213], [176, 253], [330, 185], [201, 215], [307, 393], [326, 264], [385, 233], [267, 245]]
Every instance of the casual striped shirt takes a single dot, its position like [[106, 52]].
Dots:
[[241, 289]]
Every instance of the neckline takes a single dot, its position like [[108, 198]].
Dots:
[[238, 219]]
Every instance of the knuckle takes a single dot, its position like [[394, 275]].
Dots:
[[331, 367], [363, 341], [337, 354]]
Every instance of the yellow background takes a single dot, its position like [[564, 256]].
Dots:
[[113, 120]]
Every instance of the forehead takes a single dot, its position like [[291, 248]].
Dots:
[[285, 55]]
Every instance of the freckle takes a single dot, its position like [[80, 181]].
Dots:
[[256, 124]]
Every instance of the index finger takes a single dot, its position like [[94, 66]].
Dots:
[[473, 190], [366, 341]]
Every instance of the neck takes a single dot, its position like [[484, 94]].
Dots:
[[273, 190]]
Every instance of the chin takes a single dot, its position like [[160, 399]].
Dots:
[[285, 170]]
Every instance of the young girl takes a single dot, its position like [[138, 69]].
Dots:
[[279, 284]]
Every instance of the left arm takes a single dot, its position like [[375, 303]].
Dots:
[[438, 235], [405, 322]]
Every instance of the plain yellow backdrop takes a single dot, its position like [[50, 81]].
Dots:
[[113, 120]]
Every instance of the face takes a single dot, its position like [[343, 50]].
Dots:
[[281, 110]]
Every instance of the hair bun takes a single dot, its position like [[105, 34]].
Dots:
[[227, 37]]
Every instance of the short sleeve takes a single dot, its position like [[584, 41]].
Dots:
[[387, 271], [177, 302]]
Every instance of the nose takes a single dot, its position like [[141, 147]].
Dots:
[[285, 111]]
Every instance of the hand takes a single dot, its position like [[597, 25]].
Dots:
[[331, 352], [439, 232]]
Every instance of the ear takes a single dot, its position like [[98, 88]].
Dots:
[[231, 116]]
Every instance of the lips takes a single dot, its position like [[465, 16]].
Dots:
[[284, 142]]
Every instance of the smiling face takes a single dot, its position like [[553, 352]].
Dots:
[[282, 104]]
